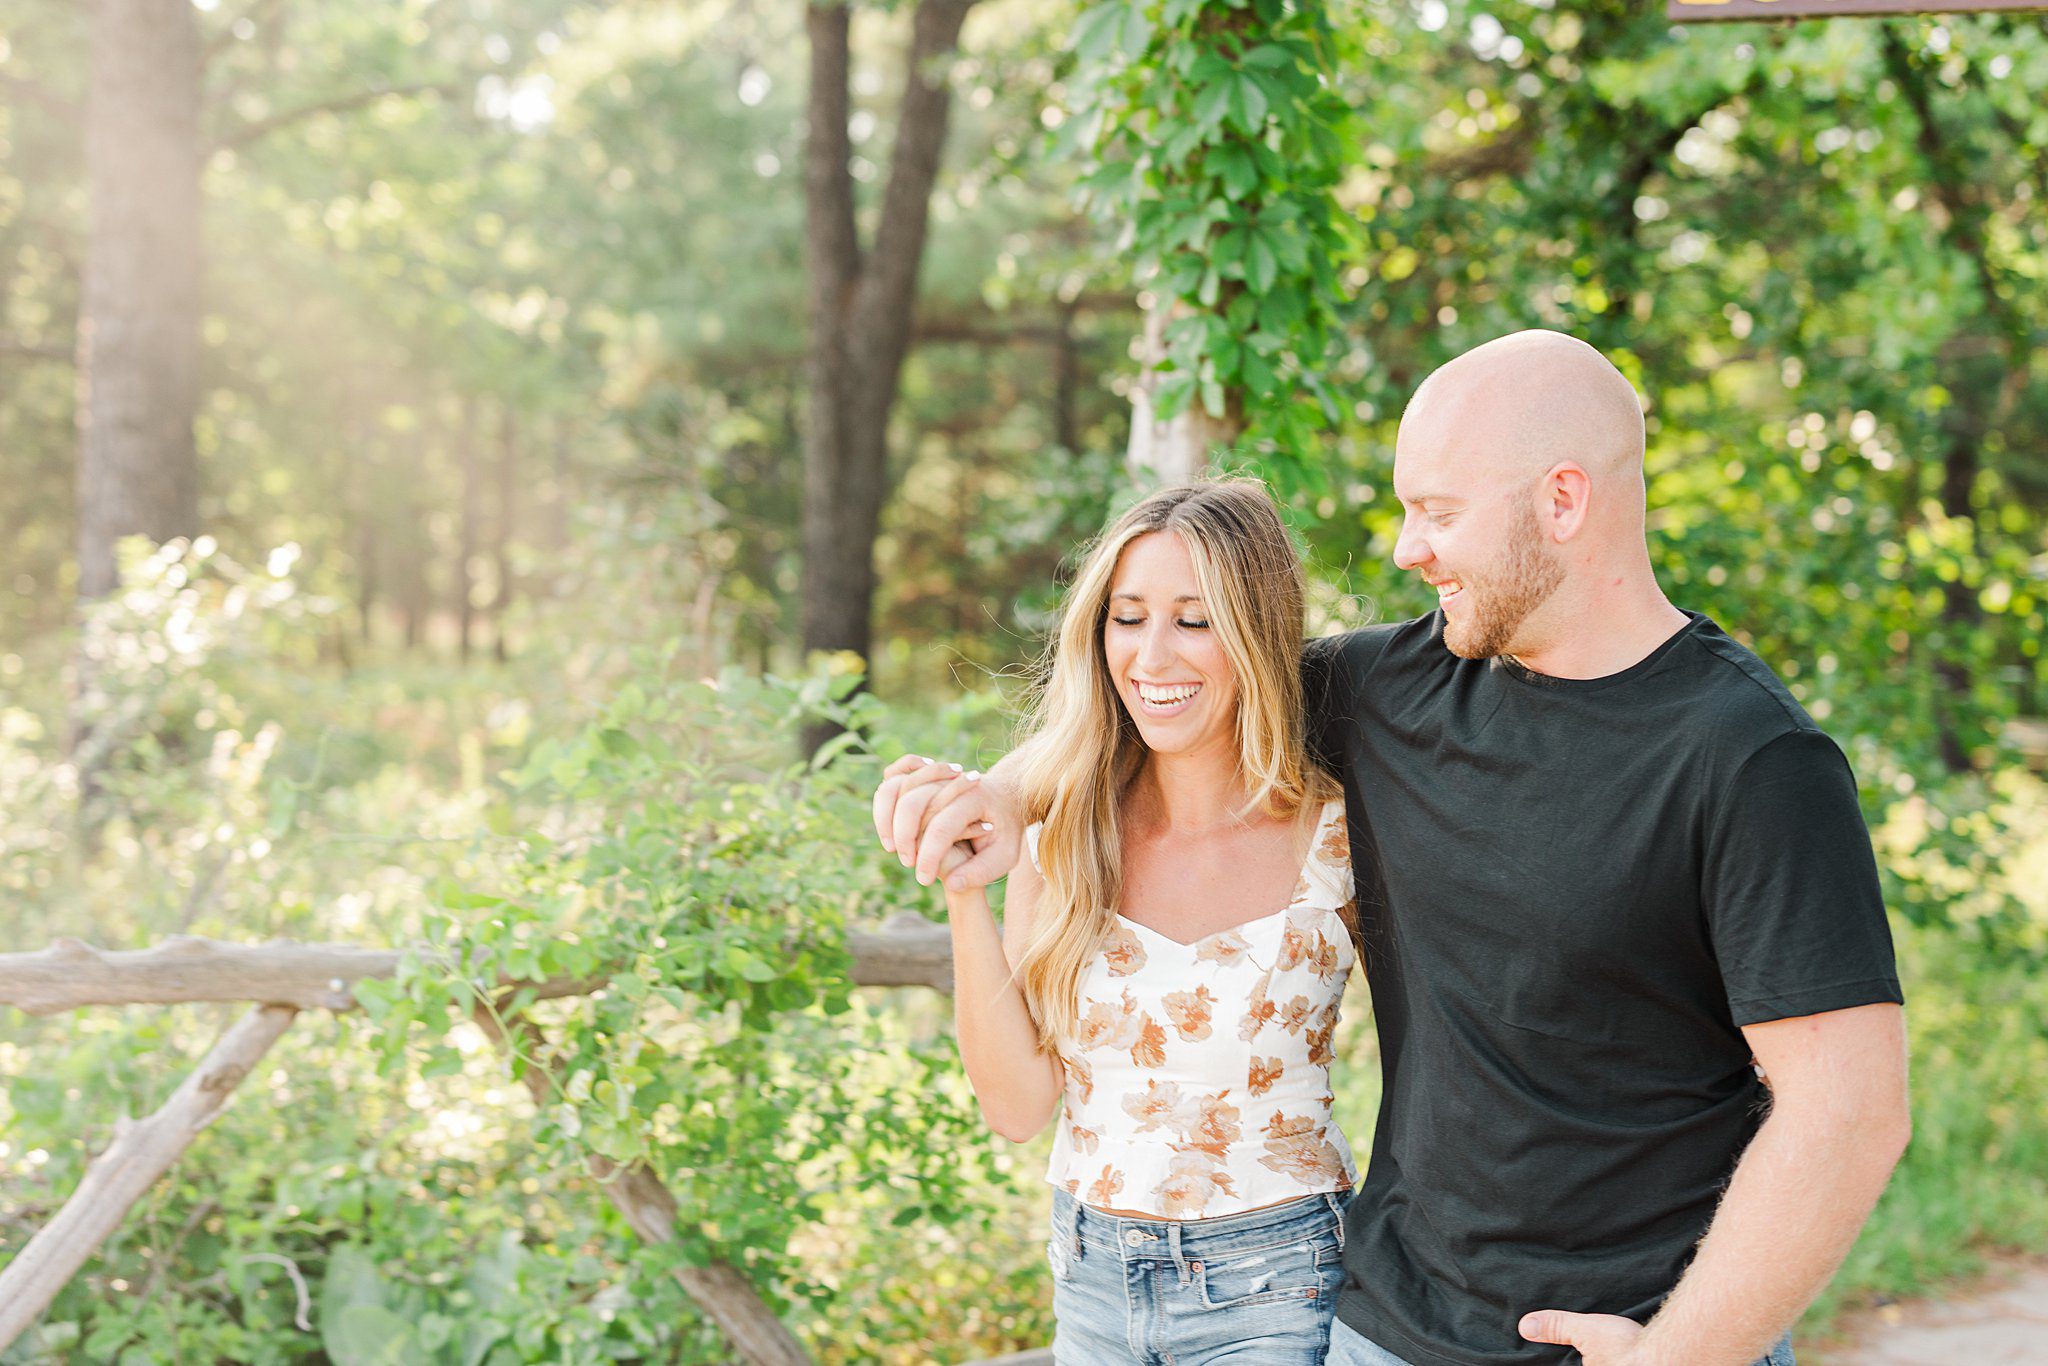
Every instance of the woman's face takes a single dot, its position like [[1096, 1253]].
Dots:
[[1163, 655]]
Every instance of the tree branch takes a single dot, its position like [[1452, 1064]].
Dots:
[[262, 128], [117, 1178], [719, 1289]]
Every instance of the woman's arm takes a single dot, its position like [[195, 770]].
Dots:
[[1018, 1086]]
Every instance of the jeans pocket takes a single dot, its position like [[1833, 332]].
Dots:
[[1268, 1275]]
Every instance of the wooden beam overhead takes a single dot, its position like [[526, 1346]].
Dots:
[[1721, 11]]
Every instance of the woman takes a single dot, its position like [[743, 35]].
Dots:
[[1173, 951]]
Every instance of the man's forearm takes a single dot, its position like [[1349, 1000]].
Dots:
[[1004, 774], [1793, 1208]]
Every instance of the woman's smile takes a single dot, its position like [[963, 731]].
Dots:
[[1165, 699]]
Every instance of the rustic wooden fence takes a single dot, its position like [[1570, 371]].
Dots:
[[282, 978]]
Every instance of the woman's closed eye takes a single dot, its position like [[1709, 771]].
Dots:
[[1182, 622]]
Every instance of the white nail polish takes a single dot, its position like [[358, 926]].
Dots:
[[954, 767]]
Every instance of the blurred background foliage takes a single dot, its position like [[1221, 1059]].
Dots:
[[502, 360]]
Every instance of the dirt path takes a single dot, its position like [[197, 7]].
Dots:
[[2001, 1321]]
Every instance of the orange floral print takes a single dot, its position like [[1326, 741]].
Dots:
[[1225, 948], [1258, 1009], [1215, 1127], [1150, 1049], [1335, 847], [1192, 1181], [1098, 1025], [1265, 1071], [1322, 958], [1293, 949], [1320, 1034], [1125, 952], [1081, 1077], [1295, 1015], [1085, 1141], [1123, 1026], [1156, 1108], [1104, 1189], [1188, 1013], [1299, 1147]]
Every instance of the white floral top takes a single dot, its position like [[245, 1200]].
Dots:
[[1199, 1084]]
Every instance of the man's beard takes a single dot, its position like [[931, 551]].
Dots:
[[1518, 583]]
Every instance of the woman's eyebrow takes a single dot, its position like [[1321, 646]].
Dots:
[[1139, 597]]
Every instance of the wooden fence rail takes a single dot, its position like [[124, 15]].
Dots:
[[280, 979]]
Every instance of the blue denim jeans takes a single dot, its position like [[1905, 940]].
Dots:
[[1251, 1289], [1347, 1348]]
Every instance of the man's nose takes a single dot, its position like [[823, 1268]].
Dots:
[[1411, 549]]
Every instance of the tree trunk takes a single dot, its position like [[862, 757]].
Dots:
[[1986, 390], [1175, 451], [471, 513], [558, 505], [138, 327], [363, 485], [501, 530], [366, 579], [1066, 384], [861, 312]]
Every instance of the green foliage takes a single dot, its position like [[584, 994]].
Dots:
[[680, 855], [1217, 139], [1816, 249], [388, 1183]]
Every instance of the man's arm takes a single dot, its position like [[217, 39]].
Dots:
[[1839, 1121]]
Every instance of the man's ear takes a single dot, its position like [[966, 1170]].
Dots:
[[1567, 495]]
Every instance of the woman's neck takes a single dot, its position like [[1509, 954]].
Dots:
[[1192, 793]]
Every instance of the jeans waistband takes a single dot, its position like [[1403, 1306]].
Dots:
[[1176, 1240]]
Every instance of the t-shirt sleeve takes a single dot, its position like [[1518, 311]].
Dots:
[[1791, 888], [1323, 695]]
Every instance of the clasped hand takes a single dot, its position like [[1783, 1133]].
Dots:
[[946, 820]]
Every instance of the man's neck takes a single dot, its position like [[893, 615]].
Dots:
[[1603, 638]]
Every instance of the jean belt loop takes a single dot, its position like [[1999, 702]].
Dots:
[[1337, 1209], [1173, 1245]]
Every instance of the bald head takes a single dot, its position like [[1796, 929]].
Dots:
[[1522, 403]]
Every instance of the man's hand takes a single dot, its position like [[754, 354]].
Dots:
[[1602, 1339], [924, 807]]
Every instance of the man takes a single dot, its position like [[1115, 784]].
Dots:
[[1612, 879]]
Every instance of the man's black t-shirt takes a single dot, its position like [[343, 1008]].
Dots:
[[1573, 893]]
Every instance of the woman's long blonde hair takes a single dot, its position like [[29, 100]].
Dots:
[[1081, 749]]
